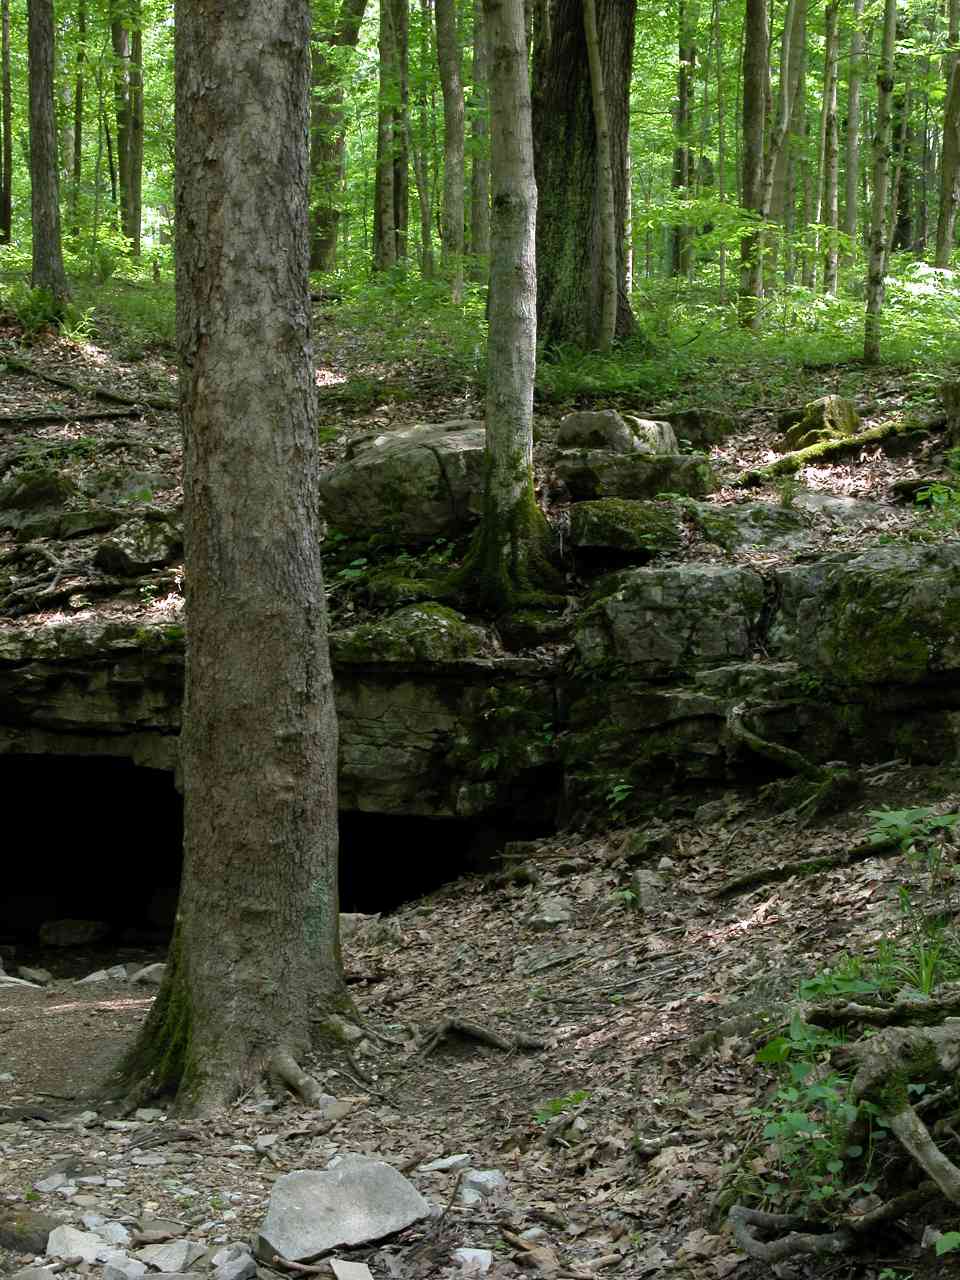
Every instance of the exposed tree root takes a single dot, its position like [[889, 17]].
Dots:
[[94, 392], [473, 1031], [284, 1068], [43, 419], [828, 786], [805, 867], [790, 463], [904, 1012]]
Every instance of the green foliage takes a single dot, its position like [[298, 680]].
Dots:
[[949, 1242], [911, 828], [556, 1106], [34, 309]]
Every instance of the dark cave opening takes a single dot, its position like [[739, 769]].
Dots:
[[99, 838]]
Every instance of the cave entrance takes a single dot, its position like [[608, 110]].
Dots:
[[98, 838]]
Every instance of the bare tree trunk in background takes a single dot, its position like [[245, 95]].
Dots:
[[509, 557], [420, 148], [77, 167], [6, 187], [384, 199], [135, 160], [682, 239], [721, 136], [755, 53], [608, 221], [831, 150], [480, 169], [877, 247], [327, 134], [400, 16], [259, 742], [451, 80], [48, 272], [852, 174]]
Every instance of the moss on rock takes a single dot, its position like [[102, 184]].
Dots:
[[417, 633], [622, 524]]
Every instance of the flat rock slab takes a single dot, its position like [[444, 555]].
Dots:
[[352, 1201]]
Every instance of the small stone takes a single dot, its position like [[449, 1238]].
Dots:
[[552, 911], [344, 1270], [68, 1242], [473, 1262], [151, 974], [174, 1255], [337, 1109], [6, 1077], [532, 1234], [150, 1160], [242, 1268], [169, 1226], [481, 1184], [263, 1141], [128, 1269], [149, 1114], [52, 1182], [86, 1118], [444, 1163], [98, 975], [40, 976]]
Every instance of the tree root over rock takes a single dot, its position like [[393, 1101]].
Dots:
[[473, 1031], [887, 1065]]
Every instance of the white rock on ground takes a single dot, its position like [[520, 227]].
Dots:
[[473, 1262], [481, 1184], [353, 1201]]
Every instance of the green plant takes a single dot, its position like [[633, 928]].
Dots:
[[788, 487], [77, 323], [627, 898], [910, 828], [34, 309], [942, 502], [618, 793], [949, 1242], [556, 1106]]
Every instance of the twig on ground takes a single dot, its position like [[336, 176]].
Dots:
[[473, 1031]]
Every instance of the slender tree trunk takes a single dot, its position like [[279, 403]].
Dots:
[[259, 737], [831, 151], [120, 40], [77, 167], [721, 137], [451, 80], [852, 174], [756, 40], [135, 157], [682, 243], [327, 134], [420, 149], [608, 221], [480, 167], [111, 168], [877, 260], [6, 188], [401, 160], [97, 173], [510, 555], [48, 272], [384, 205]]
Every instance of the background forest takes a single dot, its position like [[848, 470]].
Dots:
[[833, 128]]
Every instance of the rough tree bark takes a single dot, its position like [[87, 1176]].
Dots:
[[451, 81], [384, 199], [509, 560], [949, 171], [681, 246], [48, 271], [569, 225], [605, 196], [254, 966], [755, 52], [879, 212], [77, 165]]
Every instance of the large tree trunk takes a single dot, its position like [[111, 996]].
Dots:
[[949, 171], [606, 205], [480, 169], [569, 225], [254, 966], [48, 271], [6, 185], [509, 556], [327, 134], [877, 245], [831, 150], [401, 158], [419, 149], [451, 80]]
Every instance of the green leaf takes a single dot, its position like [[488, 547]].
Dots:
[[948, 1242]]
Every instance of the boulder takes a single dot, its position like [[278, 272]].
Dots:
[[623, 525], [419, 633], [34, 488], [354, 1200], [752, 524], [887, 615], [415, 484], [829, 418], [24, 1230], [607, 429], [702, 427], [139, 545], [662, 622], [597, 473]]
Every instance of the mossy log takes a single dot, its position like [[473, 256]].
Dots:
[[791, 463]]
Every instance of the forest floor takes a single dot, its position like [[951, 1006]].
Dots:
[[626, 1137]]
